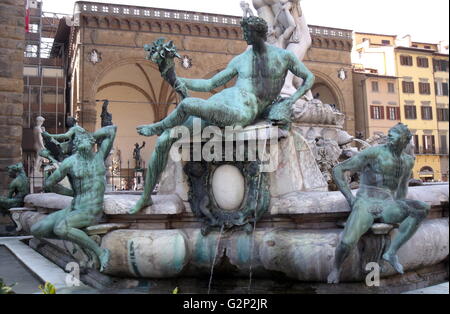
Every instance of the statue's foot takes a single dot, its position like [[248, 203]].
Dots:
[[333, 277], [142, 203], [150, 130], [393, 260], [104, 259]]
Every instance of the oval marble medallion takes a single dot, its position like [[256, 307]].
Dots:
[[228, 187]]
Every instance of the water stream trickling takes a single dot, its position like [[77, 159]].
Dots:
[[214, 259], [252, 246]]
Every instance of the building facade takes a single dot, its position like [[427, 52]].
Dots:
[[12, 36], [420, 72], [376, 103], [418, 108], [441, 81]]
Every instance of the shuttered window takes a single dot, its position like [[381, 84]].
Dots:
[[408, 87], [410, 112]]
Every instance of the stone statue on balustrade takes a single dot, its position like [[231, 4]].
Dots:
[[17, 189], [385, 173], [38, 145], [246, 11], [260, 72], [137, 155], [86, 170]]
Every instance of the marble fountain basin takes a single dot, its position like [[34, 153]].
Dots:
[[296, 239]]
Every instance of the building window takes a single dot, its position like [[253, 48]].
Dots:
[[393, 113], [116, 10], [427, 113], [126, 11], [34, 28], [105, 9], [186, 16], [442, 114], [440, 65], [416, 144], [444, 89], [167, 14], [196, 18], [31, 51], [391, 88], [206, 18], [94, 8], [136, 12], [377, 112], [410, 112], [176, 15], [157, 13], [406, 60], [444, 146], [422, 62], [215, 19], [386, 42], [429, 146], [147, 12], [408, 87], [424, 88], [375, 87]]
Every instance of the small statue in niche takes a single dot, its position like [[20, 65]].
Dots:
[[137, 155], [17, 189], [385, 172], [105, 116], [86, 171]]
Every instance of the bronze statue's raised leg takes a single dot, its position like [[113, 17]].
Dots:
[[418, 211], [155, 168], [357, 225], [67, 229], [44, 228]]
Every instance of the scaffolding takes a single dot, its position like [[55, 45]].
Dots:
[[44, 72], [44, 76]]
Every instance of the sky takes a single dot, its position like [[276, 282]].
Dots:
[[425, 21]]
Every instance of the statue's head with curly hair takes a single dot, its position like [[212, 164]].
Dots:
[[254, 28], [399, 135]]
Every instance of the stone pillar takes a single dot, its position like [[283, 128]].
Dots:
[[12, 45]]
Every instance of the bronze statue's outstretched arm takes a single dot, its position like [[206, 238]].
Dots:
[[62, 137], [356, 163], [299, 69], [58, 175], [217, 80], [402, 191], [106, 135]]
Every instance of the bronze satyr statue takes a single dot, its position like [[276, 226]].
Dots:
[[385, 173], [86, 171], [17, 189], [260, 73]]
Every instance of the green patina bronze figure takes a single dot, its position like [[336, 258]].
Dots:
[[385, 173], [86, 171], [17, 189], [260, 73]]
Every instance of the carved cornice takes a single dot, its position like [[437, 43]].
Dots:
[[156, 20]]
